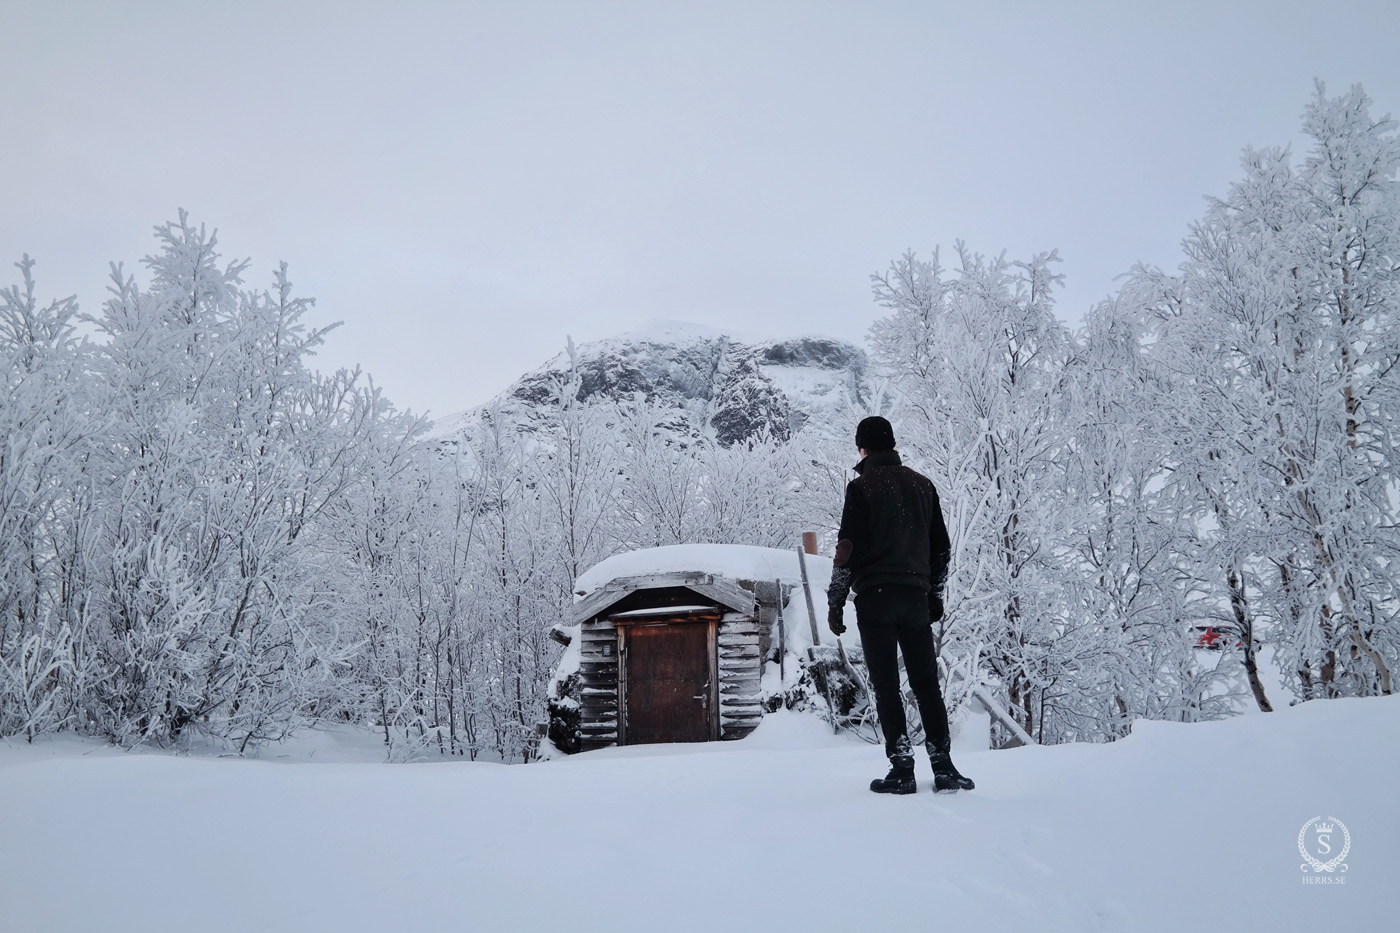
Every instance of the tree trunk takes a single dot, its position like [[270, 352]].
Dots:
[[1240, 607]]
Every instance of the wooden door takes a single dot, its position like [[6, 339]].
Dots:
[[668, 683]]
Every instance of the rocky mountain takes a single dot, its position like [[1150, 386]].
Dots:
[[706, 382]]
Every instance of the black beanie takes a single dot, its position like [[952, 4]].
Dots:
[[874, 434]]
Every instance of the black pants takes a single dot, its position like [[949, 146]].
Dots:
[[891, 617]]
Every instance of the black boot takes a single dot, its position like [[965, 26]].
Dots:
[[946, 779], [900, 780]]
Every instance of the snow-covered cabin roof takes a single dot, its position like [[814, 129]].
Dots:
[[715, 566], [725, 592], [711, 570], [734, 561]]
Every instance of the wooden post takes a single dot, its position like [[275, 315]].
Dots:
[[816, 639], [807, 591], [782, 633], [809, 542]]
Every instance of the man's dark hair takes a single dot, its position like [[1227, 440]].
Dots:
[[874, 434]]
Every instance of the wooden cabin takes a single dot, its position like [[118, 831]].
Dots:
[[672, 657]]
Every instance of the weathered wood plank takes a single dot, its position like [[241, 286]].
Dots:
[[723, 590]]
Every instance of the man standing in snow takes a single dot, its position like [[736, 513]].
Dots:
[[893, 551]]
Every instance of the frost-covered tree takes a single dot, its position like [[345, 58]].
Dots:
[[658, 501], [1281, 337], [222, 447], [46, 433], [978, 361], [1130, 545]]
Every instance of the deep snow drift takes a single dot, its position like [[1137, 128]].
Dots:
[[1177, 827]]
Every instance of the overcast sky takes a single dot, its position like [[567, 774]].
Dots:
[[466, 184]]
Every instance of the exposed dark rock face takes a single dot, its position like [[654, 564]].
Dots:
[[815, 351], [704, 381], [747, 405]]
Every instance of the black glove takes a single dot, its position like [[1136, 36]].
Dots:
[[935, 608], [836, 619]]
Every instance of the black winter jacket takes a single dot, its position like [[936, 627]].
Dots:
[[892, 531]]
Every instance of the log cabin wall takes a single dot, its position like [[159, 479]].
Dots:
[[598, 696], [740, 670]]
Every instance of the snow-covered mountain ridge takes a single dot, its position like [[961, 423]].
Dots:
[[706, 382]]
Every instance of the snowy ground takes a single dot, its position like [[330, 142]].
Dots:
[[1176, 828]]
